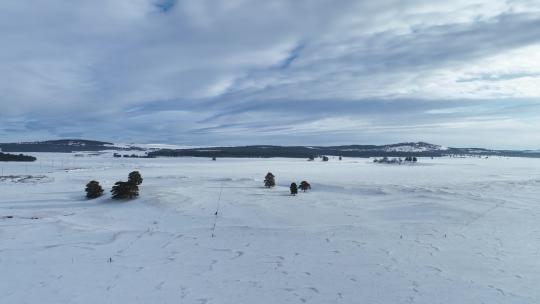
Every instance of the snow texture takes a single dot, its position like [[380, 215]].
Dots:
[[440, 231]]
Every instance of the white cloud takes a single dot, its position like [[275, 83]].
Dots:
[[71, 66]]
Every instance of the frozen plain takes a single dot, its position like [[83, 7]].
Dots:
[[442, 231]]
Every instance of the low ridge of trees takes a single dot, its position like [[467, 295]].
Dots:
[[294, 189], [16, 157], [386, 160], [93, 189], [269, 180], [118, 155]]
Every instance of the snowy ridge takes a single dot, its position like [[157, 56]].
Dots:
[[414, 147]]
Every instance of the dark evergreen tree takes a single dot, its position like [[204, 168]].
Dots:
[[340, 158], [311, 158], [305, 186], [269, 180], [325, 158], [93, 190], [135, 178], [124, 190], [294, 189], [414, 159]]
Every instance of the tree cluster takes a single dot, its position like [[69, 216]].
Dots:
[[120, 190], [304, 186], [386, 160], [124, 190], [16, 157], [269, 182], [117, 155], [129, 189]]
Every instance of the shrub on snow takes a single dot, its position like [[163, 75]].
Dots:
[[93, 189], [269, 180], [294, 189]]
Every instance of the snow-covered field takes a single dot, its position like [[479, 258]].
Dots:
[[441, 231]]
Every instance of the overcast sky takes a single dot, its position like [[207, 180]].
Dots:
[[201, 72]]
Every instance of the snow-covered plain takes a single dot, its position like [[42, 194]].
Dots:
[[442, 231]]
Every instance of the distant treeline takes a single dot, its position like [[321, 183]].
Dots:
[[345, 151], [118, 155], [16, 157], [287, 152]]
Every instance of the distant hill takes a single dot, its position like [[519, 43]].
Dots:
[[419, 149], [62, 145]]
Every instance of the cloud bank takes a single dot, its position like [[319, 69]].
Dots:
[[200, 72]]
